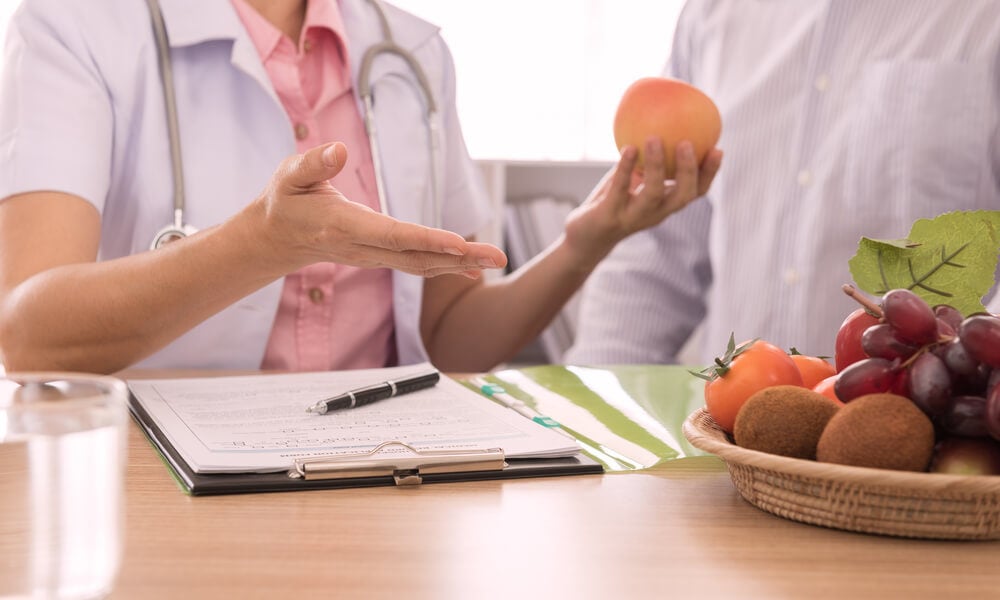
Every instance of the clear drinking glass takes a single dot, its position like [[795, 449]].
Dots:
[[62, 471]]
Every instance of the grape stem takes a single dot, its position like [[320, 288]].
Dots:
[[864, 301], [909, 361]]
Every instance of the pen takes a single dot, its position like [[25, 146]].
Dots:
[[497, 392], [372, 393]]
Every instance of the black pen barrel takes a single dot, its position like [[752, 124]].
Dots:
[[372, 395], [417, 383], [379, 391]]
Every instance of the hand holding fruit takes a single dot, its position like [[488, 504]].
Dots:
[[672, 111], [617, 209], [666, 131]]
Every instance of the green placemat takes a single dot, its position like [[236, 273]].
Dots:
[[625, 417]]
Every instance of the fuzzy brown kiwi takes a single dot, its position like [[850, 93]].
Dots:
[[882, 431], [783, 419]]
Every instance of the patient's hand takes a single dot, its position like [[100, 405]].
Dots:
[[625, 202]]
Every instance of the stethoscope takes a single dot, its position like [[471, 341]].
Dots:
[[178, 229]]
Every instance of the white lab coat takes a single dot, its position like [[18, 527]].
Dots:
[[81, 111]]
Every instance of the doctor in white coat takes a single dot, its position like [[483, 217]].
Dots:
[[85, 178]]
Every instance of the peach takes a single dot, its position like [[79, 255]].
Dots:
[[670, 109]]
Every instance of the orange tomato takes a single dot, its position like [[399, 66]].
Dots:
[[813, 369], [825, 387], [758, 366]]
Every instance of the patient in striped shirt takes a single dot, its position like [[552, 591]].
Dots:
[[841, 119]]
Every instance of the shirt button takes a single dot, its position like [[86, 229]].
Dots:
[[791, 276], [804, 178], [316, 295], [301, 131], [822, 82], [307, 45]]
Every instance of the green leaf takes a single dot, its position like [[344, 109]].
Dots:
[[721, 366], [950, 259]]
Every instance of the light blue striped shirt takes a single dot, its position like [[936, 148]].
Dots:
[[841, 119]]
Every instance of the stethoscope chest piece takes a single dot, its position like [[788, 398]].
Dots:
[[171, 233], [178, 229]]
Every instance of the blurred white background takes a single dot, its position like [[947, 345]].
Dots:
[[6, 10], [540, 79]]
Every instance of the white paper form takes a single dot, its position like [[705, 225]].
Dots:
[[258, 423]]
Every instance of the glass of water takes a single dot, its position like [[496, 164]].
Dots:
[[62, 471]]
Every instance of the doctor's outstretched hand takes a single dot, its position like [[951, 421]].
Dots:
[[307, 220], [625, 202]]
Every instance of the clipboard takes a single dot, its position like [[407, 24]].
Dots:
[[361, 470]]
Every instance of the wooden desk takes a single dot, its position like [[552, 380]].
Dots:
[[679, 531]]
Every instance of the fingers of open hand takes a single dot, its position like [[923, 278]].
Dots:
[[381, 241], [426, 264], [317, 165], [391, 234], [400, 236], [468, 274]]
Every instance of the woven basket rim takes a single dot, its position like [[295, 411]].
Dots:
[[703, 433]]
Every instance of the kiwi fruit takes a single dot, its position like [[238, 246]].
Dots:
[[783, 419], [882, 431]]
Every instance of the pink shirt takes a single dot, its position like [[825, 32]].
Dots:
[[330, 316]]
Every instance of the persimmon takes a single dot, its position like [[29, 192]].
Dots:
[[741, 371], [813, 369], [671, 110], [825, 387]]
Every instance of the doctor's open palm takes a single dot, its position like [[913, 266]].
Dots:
[[626, 201], [307, 220]]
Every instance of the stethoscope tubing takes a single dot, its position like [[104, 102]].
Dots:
[[179, 229], [388, 45]]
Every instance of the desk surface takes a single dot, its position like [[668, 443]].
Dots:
[[679, 531]]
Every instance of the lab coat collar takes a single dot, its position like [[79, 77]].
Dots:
[[217, 20]]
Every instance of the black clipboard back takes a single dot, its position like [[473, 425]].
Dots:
[[202, 484]]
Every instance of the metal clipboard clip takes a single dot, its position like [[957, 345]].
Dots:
[[404, 463]]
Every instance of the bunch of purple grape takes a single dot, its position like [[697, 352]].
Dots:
[[949, 366]]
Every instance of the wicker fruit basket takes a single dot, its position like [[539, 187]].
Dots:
[[897, 503]]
